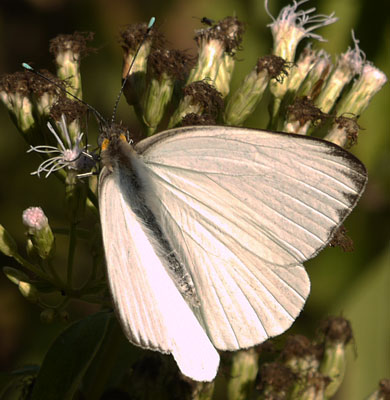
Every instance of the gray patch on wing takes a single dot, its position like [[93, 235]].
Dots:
[[175, 268]]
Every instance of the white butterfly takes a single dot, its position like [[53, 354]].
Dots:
[[205, 230]]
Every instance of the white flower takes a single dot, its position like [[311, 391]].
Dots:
[[349, 64], [364, 88], [352, 59], [74, 157], [291, 27], [34, 218]]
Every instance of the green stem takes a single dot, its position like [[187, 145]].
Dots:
[[92, 198], [34, 269], [275, 109], [71, 253], [53, 272]]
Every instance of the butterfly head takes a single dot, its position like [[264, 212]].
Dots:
[[114, 145]]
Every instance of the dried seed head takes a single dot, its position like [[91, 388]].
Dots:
[[206, 96], [228, 32], [303, 110], [72, 109], [174, 63]]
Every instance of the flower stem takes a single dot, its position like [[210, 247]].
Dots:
[[71, 252]]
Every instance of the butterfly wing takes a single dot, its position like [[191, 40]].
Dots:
[[152, 312], [243, 209]]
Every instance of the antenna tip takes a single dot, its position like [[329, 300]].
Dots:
[[151, 22], [27, 66]]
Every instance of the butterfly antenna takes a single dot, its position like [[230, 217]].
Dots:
[[96, 112], [150, 26]]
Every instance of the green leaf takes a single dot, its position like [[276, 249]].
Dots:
[[69, 358], [16, 385]]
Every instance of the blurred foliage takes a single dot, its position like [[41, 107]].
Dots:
[[355, 285]]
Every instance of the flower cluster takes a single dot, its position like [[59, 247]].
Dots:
[[168, 88]]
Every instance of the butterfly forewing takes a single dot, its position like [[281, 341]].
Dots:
[[152, 312]]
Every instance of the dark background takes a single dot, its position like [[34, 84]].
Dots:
[[355, 285]]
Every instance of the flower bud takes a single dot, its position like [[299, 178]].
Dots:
[[244, 101], [7, 243], [68, 50], [276, 381], [15, 94], [288, 30], [348, 65], [45, 94], [300, 354], [217, 46], [344, 132], [357, 99], [300, 69], [131, 38], [312, 387], [316, 77], [39, 231], [67, 113], [199, 98], [29, 291], [338, 334], [244, 370], [164, 66], [15, 275]]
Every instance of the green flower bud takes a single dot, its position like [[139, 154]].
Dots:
[[301, 114], [312, 387], [39, 231], [15, 94], [45, 94], [7, 243], [300, 354], [29, 291], [344, 132], [338, 334], [164, 67], [217, 46], [68, 50], [199, 98], [288, 30], [309, 89], [203, 391], [276, 381], [244, 101], [348, 65], [15, 275], [316, 77], [299, 71], [244, 370], [157, 97], [357, 99], [224, 75], [68, 113], [131, 38]]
